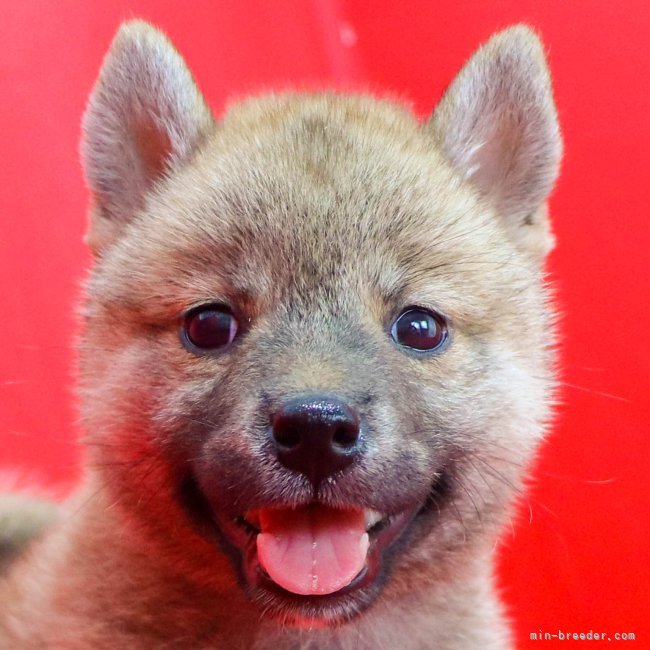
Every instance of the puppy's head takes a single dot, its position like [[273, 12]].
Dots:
[[317, 336]]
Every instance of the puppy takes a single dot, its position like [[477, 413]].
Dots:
[[317, 357]]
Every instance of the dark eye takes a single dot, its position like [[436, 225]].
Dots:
[[209, 327], [420, 329]]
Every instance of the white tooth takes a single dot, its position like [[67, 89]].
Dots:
[[373, 517]]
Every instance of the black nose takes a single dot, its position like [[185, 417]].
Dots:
[[316, 436]]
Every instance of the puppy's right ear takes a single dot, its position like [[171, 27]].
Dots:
[[144, 118]]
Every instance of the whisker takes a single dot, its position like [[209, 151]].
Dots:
[[593, 391]]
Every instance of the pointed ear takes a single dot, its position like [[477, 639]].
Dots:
[[144, 118], [497, 125]]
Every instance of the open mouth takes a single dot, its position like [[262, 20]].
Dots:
[[316, 550], [322, 562]]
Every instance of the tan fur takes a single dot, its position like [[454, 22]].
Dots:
[[23, 520], [317, 217]]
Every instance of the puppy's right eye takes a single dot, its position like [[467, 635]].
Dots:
[[209, 327]]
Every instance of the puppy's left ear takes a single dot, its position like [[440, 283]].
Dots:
[[497, 125]]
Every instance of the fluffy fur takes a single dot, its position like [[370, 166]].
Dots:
[[317, 218]]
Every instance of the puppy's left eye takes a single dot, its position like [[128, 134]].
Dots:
[[420, 329], [209, 327]]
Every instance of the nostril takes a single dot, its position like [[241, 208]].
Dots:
[[346, 437], [287, 436]]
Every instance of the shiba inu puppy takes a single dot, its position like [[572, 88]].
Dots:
[[317, 357]]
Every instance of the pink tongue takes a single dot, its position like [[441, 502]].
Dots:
[[313, 549]]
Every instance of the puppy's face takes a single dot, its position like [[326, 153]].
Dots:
[[317, 338]]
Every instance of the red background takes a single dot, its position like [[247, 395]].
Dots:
[[580, 558]]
